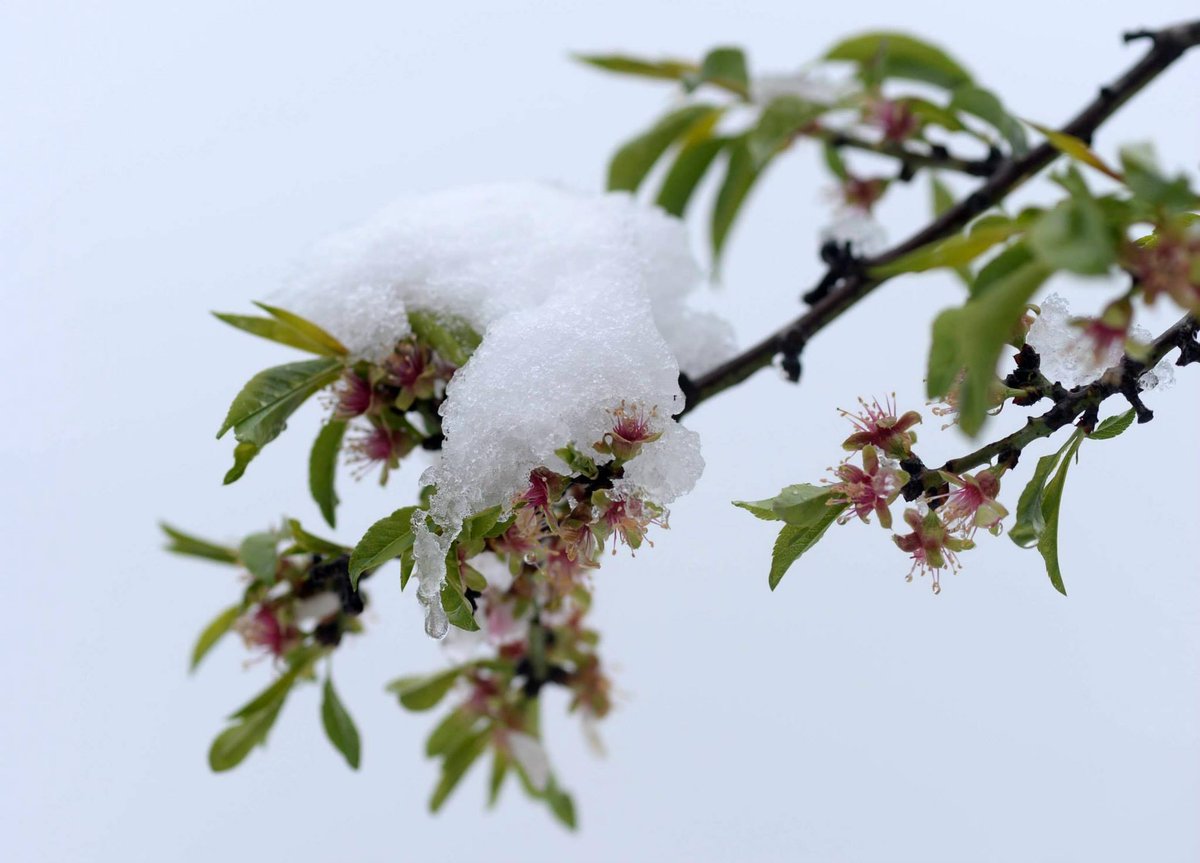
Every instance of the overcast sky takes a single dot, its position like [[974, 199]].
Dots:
[[161, 160]]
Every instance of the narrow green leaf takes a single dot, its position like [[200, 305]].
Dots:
[[272, 330], [275, 694], [314, 544], [726, 67], [258, 554], [212, 633], [322, 469], [499, 772], [795, 539], [686, 172], [969, 339], [670, 70], [424, 693], [385, 539], [1148, 183], [234, 743], [740, 174], [796, 504], [1029, 524], [456, 765], [561, 804], [243, 454], [182, 543], [450, 732], [451, 336], [259, 411], [307, 329], [457, 608], [633, 161], [1113, 426], [882, 55], [780, 122], [956, 251], [339, 727], [1076, 149], [1051, 506], [984, 104], [1075, 235]]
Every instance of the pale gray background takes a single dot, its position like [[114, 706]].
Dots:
[[160, 160]]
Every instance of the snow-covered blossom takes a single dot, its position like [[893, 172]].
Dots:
[[869, 489], [932, 546], [1073, 352], [857, 228], [262, 627], [317, 607], [877, 425], [632, 427]]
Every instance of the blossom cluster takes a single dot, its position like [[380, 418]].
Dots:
[[946, 514]]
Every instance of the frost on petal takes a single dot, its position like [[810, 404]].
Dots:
[[529, 753]]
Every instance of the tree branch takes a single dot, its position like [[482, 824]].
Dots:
[[936, 157], [1084, 401], [842, 287]]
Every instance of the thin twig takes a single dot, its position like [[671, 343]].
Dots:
[[845, 290]]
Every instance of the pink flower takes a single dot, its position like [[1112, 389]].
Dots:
[[973, 504], [353, 396], [1168, 264], [626, 519], [931, 546], [869, 489], [894, 118], [862, 194], [632, 427], [878, 426], [408, 367], [262, 628], [379, 446], [1108, 332]]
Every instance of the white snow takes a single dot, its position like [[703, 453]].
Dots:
[[857, 227], [582, 301], [1068, 356]]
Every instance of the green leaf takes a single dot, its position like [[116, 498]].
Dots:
[[243, 454], [1029, 523], [457, 608], [1051, 505], [956, 251], [450, 336], [796, 504], [456, 765], [182, 543], [287, 329], [385, 539], [1147, 182], [258, 554], [1113, 426], [277, 692], [969, 339], [726, 67], [485, 524], [984, 104], [882, 55], [306, 329], [261, 410], [686, 172], [339, 727], [741, 171], [779, 123], [424, 693], [633, 161], [1075, 148], [1003, 264], [213, 632], [499, 771], [561, 804], [797, 538], [668, 70], [322, 468], [234, 743], [1074, 235], [450, 732], [314, 544]]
